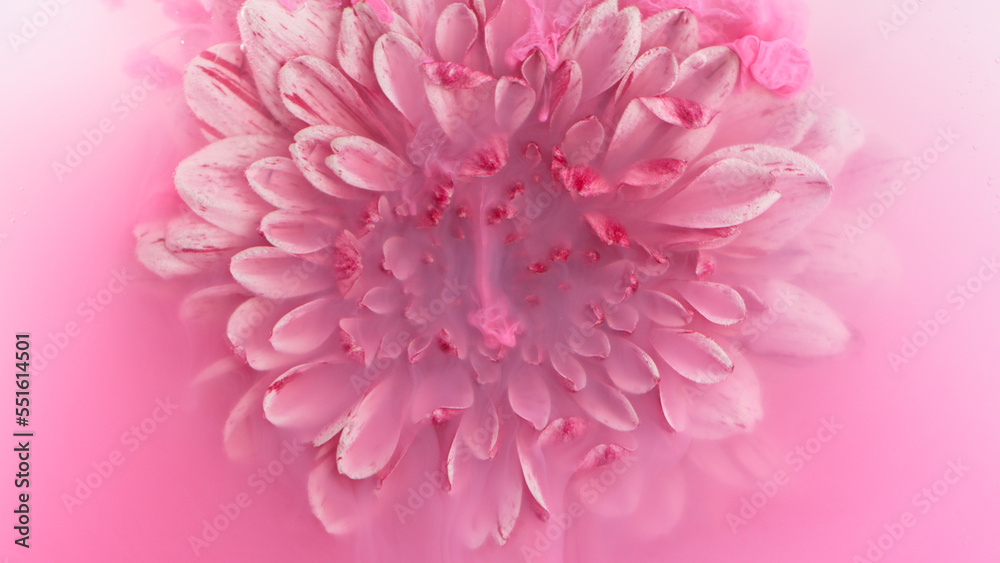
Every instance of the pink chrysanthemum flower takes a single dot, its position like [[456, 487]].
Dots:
[[504, 234]]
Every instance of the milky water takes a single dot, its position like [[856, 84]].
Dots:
[[886, 452]]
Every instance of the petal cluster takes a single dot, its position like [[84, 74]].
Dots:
[[505, 224]]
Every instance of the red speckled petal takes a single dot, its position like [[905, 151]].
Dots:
[[272, 35], [220, 92], [213, 184], [317, 93], [605, 42]]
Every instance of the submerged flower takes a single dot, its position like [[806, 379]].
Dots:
[[497, 237]]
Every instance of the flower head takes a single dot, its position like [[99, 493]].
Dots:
[[505, 233]]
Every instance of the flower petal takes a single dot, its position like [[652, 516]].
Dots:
[[398, 67], [419, 16], [296, 232], [306, 327], [758, 116], [453, 76], [609, 230], [604, 42], [402, 257], [717, 302], [534, 70], [563, 430], [675, 29], [457, 29], [373, 429], [676, 111], [623, 281], [266, 271], [805, 191], [360, 340], [221, 94], [583, 142], [334, 497], [566, 87], [674, 401], [529, 395], [382, 300], [707, 77], [568, 368], [652, 127], [622, 317], [630, 368], [730, 192], [663, 309], [602, 455], [486, 10], [272, 35], [800, 323], [593, 345], [533, 465], [705, 80], [657, 175], [248, 329], [310, 152], [479, 429], [311, 397], [151, 250], [501, 31], [317, 93], [608, 406], [725, 408], [241, 431], [459, 99], [692, 354], [363, 163], [360, 28], [201, 243], [213, 304], [212, 182], [487, 159], [347, 263], [510, 490], [487, 370], [583, 181], [660, 240], [514, 101], [278, 181], [652, 74], [834, 137]]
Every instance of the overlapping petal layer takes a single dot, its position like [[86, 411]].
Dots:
[[507, 225]]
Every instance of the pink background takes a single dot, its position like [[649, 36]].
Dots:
[[61, 243]]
